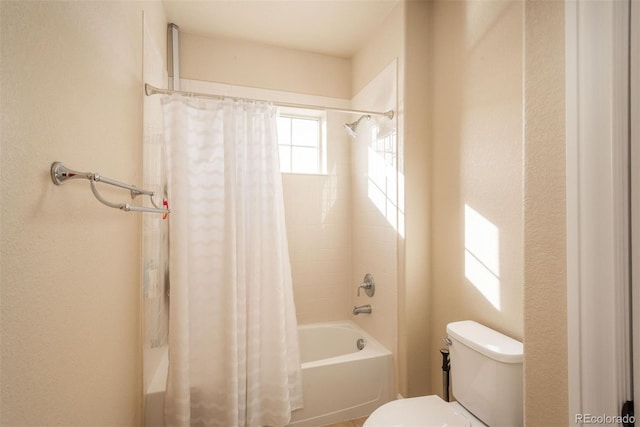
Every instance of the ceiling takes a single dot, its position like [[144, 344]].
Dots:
[[330, 27]]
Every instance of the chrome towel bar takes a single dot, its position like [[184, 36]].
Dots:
[[60, 174]]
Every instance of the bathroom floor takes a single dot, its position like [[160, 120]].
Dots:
[[352, 423]]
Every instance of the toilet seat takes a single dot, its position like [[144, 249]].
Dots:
[[424, 411]]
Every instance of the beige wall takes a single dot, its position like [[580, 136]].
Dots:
[[509, 172], [263, 66], [545, 290], [71, 82], [381, 48], [477, 244], [416, 262]]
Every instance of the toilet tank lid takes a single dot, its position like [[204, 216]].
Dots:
[[491, 343]]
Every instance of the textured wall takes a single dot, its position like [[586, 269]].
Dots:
[[477, 245], [379, 50], [262, 66], [71, 82], [545, 291]]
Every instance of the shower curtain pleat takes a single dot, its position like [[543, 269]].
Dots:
[[233, 344]]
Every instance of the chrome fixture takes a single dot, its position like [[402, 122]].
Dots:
[[60, 174], [362, 309], [351, 127], [360, 344], [369, 285], [150, 90], [173, 56]]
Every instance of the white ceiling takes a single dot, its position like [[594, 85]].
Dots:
[[330, 27]]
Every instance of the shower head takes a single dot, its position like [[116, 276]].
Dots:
[[351, 127]]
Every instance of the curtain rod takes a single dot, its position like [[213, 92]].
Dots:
[[152, 90]]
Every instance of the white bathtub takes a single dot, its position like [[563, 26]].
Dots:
[[340, 381]]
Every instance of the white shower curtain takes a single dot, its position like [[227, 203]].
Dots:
[[233, 345]]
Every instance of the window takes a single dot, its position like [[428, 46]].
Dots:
[[301, 144]]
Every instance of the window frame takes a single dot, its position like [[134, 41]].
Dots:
[[318, 116]]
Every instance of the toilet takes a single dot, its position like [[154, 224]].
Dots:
[[486, 374]]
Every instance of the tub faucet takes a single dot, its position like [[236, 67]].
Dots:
[[362, 309]]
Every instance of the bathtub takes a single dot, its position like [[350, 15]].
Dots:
[[340, 382]]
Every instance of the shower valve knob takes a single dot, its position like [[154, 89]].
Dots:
[[368, 284]]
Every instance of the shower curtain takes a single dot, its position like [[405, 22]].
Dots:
[[233, 346]]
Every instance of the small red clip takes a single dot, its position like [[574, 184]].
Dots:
[[165, 203]]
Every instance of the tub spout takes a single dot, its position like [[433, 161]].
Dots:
[[362, 309]]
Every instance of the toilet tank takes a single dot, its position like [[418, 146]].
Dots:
[[486, 373]]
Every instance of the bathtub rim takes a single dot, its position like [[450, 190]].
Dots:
[[373, 347]]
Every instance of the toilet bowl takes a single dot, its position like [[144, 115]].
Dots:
[[486, 368], [422, 411]]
